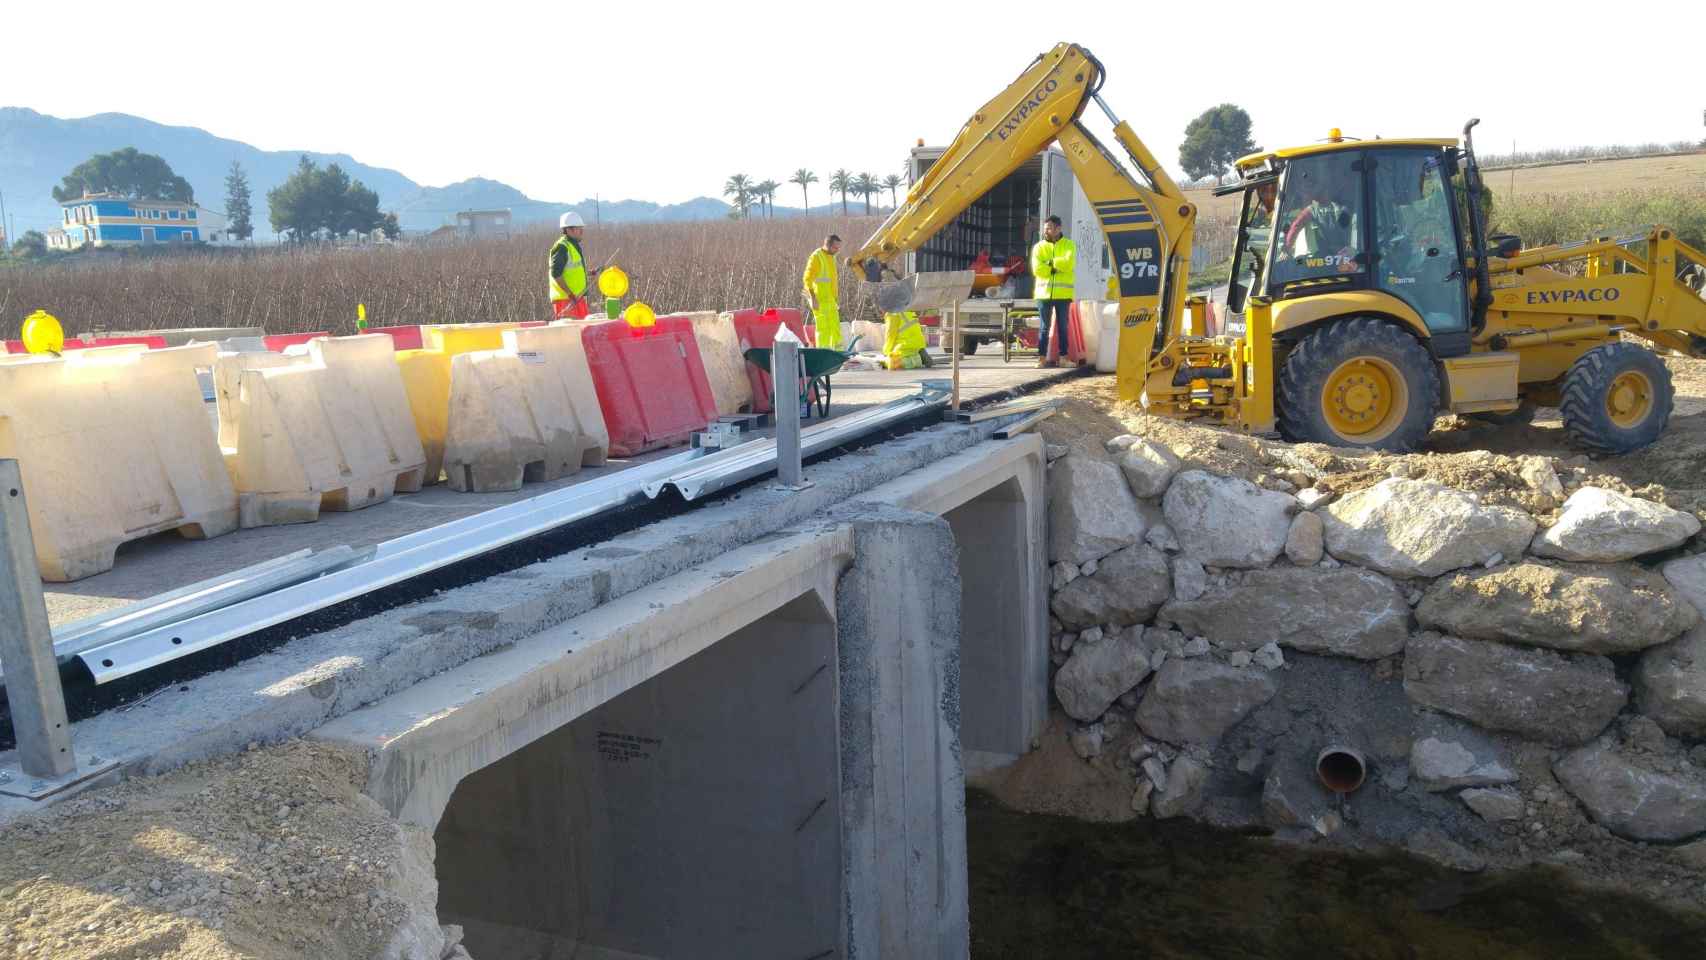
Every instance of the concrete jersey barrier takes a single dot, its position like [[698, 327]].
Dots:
[[114, 445], [326, 429]]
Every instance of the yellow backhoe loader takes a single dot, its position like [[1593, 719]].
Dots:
[[1373, 298]]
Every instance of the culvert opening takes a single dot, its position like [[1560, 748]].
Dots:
[[1003, 642], [1341, 769], [697, 814]]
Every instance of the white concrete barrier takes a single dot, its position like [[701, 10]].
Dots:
[[565, 359], [114, 445], [725, 365], [325, 429]]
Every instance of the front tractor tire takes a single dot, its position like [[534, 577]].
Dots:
[[1617, 398], [1359, 382]]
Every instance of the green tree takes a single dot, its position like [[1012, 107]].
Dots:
[[322, 203], [1214, 140], [841, 181], [805, 178], [865, 185], [128, 173], [739, 189], [32, 244], [892, 182], [767, 191], [238, 209]]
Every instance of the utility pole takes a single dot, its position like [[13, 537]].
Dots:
[[8, 244]]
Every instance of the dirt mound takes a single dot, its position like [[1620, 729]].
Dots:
[[271, 854], [1489, 460]]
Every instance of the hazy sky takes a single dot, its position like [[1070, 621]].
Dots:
[[663, 101]]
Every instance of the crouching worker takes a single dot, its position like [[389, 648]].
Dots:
[[903, 342]]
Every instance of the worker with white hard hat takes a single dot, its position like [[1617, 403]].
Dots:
[[567, 270]]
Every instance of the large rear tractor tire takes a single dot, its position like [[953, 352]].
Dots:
[[1617, 398], [1360, 382]]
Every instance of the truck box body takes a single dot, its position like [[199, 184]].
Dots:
[[1007, 221]]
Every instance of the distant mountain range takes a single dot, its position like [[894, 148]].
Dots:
[[37, 150]]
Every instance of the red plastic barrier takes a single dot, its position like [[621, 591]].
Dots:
[[1074, 338], [278, 342], [652, 387], [757, 328], [403, 338], [74, 343]]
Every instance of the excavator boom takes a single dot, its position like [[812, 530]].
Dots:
[[1147, 227]]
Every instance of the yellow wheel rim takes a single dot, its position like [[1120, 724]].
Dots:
[[1630, 399], [1365, 399]]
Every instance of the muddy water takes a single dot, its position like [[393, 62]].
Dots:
[[1044, 886]]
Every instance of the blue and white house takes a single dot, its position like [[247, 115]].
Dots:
[[106, 220]]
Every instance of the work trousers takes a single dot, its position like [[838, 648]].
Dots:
[[1058, 309]]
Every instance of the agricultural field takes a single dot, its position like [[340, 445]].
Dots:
[[673, 266]]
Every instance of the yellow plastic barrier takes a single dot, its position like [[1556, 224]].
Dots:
[[114, 445], [326, 429], [725, 366], [523, 411]]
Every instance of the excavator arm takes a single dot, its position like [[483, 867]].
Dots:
[[1148, 226]]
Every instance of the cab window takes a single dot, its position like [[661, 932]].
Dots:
[[1319, 226], [1415, 240]]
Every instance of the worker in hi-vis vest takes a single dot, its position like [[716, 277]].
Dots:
[[823, 292], [903, 342], [1052, 260], [567, 270]]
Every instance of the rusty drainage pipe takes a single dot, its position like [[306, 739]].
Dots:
[[1341, 769]]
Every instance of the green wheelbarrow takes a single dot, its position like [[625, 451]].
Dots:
[[819, 363]]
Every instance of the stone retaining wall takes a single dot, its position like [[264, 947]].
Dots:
[[1519, 691]]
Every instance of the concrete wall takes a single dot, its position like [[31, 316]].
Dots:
[[694, 815], [993, 500]]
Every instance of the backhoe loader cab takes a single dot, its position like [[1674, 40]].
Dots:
[[1367, 264]]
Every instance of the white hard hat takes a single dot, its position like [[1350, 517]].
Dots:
[[570, 219]]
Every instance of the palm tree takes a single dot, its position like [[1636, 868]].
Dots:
[[739, 188], [842, 181], [804, 178], [892, 181], [866, 185], [767, 190]]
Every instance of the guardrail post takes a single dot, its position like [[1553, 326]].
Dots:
[[33, 692], [785, 378]]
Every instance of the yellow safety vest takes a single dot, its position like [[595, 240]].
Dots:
[[1051, 264], [574, 272], [902, 334], [822, 278]]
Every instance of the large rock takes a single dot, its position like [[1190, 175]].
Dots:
[[1127, 587], [1494, 805], [1688, 576], [1589, 609], [1409, 528], [1631, 800], [1225, 521], [1305, 544], [1149, 468], [1603, 526], [1091, 512], [1098, 673], [1183, 793], [1670, 685], [1348, 612], [1447, 765], [1195, 701], [1538, 694]]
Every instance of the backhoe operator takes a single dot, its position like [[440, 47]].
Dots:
[[1052, 260]]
